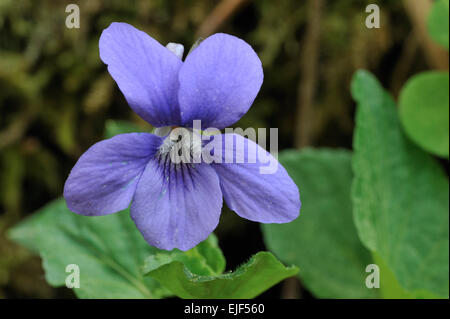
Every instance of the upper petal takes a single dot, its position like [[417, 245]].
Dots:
[[266, 198], [219, 81], [104, 179], [145, 71], [177, 206]]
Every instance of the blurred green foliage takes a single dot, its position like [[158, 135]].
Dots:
[[108, 251], [323, 241], [400, 194], [114, 260], [438, 21], [424, 111], [56, 95]]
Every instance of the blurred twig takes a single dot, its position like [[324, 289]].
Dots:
[[418, 11], [308, 80], [17, 128], [404, 63], [291, 289], [218, 16]]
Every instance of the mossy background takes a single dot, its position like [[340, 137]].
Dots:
[[56, 95]]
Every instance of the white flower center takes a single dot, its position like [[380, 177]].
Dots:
[[181, 145]]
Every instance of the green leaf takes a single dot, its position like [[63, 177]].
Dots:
[[205, 259], [109, 251], [390, 287], [424, 111], [323, 241], [400, 194], [115, 127], [260, 273], [438, 21]]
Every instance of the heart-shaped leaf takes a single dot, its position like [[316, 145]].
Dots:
[[400, 194], [323, 241], [424, 111]]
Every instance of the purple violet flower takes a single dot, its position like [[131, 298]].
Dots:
[[179, 205]]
